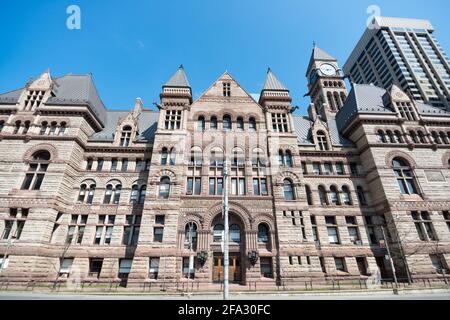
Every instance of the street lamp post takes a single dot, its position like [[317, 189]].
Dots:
[[190, 255], [226, 231]]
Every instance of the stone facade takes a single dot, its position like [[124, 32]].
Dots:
[[97, 194]]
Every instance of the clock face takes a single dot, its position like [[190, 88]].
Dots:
[[328, 69]]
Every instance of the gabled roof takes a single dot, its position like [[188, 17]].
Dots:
[[147, 124], [319, 55], [179, 79], [272, 82], [68, 90]]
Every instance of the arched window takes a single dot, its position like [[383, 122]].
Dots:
[[288, 158], [196, 156], [142, 194], [134, 194], [288, 188], [164, 187], [323, 196], [91, 192], [82, 193], [398, 136], [240, 123], [343, 96], [280, 158], [26, 127], [252, 124], [125, 137], [436, 137], [334, 196], [173, 156], [218, 233], [44, 126], [117, 192], [444, 138], [346, 197], [17, 127], [53, 127], [309, 197], [391, 136], [108, 194], [213, 123], [422, 138], [216, 158], [164, 156], [381, 136], [330, 101], [227, 123], [238, 157], [361, 196], [413, 136], [201, 123], [263, 233], [190, 235], [36, 171], [62, 128], [337, 100], [235, 233], [404, 175], [322, 141]]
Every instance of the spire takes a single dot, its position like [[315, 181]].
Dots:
[[137, 108], [319, 55], [272, 83], [179, 79]]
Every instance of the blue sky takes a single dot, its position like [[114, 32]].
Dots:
[[132, 47]]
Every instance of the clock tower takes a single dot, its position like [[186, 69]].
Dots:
[[326, 84]]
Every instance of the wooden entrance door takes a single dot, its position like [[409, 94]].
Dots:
[[234, 268]]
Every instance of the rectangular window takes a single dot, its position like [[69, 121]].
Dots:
[[226, 89], [158, 233], [316, 168], [160, 219], [188, 267], [154, 268], [424, 226], [260, 187], [333, 235], [340, 168], [238, 186], [279, 122], [304, 168], [190, 186], [95, 267], [354, 169], [65, 266], [327, 168], [114, 163], [340, 264], [124, 165], [266, 267], [100, 164]]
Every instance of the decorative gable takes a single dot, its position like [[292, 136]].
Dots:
[[36, 92], [128, 127]]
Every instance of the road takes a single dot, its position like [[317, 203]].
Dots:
[[438, 295]]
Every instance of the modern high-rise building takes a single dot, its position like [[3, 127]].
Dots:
[[402, 52]]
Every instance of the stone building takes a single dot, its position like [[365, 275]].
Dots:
[[88, 193]]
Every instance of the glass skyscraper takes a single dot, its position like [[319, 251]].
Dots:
[[404, 52]]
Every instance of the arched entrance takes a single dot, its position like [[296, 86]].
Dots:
[[237, 246]]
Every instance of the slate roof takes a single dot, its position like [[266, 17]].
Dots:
[[179, 79], [272, 82], [319, 54], [148, 121], [368, 99], [68, 90], [302, 126]]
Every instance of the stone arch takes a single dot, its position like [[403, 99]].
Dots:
[[192, 217], [397, 153], [164, 173], [235, 208], [264, 218], [287, 175], [28, 155]]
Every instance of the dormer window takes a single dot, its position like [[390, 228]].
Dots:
[[227, 89], [322, 141], [125, 138], [406, 111]]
